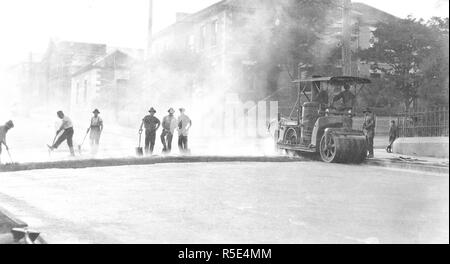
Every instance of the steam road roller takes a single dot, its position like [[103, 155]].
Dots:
[[323, 126]]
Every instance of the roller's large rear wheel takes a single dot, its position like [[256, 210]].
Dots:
[[343, 149]]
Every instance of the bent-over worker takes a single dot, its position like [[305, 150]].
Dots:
[[3, 131], [67, 127]]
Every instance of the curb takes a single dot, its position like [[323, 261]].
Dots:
[[17, 223], [117, 162], [436, 168]]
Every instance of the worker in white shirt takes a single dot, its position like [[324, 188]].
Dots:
[[67, 127], [169, 125], [184, 125]]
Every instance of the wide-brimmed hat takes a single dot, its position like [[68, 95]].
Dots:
[[96, 111], [171, 111], [152, 110], [9, 124], [368, 110]]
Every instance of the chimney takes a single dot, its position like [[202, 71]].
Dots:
[[150, 28]]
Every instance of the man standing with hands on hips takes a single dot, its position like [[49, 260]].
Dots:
[[184, 125]]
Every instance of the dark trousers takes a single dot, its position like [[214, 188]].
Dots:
[[166, 140], [183, 143], [67, 135], [370, 144], [150, 139], [391, 142]]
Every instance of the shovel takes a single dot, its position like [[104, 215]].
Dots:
[[139, 149]]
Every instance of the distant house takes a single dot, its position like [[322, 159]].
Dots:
[[101, 82], [59, 63], [26, 79]]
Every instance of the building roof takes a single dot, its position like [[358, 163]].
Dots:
[[368, 14], [212, 9], [338, 80], [98, 63], [371, 15]]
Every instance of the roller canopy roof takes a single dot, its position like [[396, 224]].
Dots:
[[338, 80]]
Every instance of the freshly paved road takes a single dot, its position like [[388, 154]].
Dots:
[[301, 202]]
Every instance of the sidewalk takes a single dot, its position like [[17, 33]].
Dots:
[[430, 164]]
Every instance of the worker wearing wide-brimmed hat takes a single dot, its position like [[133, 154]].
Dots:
[[3, 131], [369, 130], [151, 124], [96, 129], [169, 125], [347, 98]]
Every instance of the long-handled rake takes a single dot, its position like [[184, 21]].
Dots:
[[50, 147], [82, 143], [10, 158]]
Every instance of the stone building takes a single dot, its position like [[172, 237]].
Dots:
[[59, 63], [104, 82], [222, 37]]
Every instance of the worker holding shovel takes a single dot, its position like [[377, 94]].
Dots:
[[3, 131], [151, 125], [96, 129]]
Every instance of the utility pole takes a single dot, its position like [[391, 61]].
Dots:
[[346, 39], [150, 29]]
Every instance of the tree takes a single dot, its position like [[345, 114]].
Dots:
[[410, 53], [288, 36], [435, 67]]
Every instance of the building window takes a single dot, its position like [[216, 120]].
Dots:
[[77, 93], [215, 32], [375, 75], [191, 43], [202, 37], [85, 90]]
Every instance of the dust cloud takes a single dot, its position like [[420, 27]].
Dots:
[[230, 112]]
